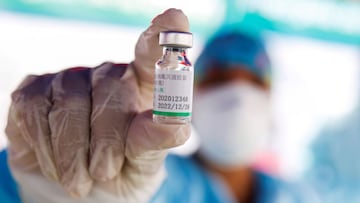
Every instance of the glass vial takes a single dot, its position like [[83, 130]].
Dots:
[[174, 79]]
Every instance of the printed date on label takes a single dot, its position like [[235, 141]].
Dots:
[[170, 106]]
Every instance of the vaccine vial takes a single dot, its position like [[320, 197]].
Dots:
[[174, 79]]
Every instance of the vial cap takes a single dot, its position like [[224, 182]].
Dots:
[[177, 39]]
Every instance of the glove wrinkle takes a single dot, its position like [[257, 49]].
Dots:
[[114, 99], [31, 105], [70, 129]]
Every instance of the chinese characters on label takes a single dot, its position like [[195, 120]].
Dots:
[[173, 91]]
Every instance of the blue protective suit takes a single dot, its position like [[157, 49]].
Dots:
[[335, 170], [8, 190], [186, 182]]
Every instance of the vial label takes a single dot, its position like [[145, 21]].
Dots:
[[173, 93]]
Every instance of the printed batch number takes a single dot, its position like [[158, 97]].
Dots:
[[173, 98]]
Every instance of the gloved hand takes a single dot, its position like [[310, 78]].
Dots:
[[90, 128]]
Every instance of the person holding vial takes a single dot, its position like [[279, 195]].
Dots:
[[231, 115], [88, 134]]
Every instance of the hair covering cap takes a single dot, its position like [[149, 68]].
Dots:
[[232, 48]]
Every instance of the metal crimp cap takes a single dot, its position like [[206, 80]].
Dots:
[[177, 39]]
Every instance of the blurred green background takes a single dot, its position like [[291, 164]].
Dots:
[[335, 20]]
